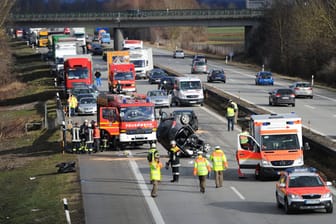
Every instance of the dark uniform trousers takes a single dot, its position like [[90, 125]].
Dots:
[[202, 180], [155, 188], [219, 178]]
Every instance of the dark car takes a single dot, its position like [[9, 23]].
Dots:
[[95, 49], [174, 128], [264, 78], [284, 96], [156, 76], [189, 116], [167, 84], [216, 75]]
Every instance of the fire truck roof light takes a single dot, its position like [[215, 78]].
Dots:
[[124, 100], [147, 100], [290, 122], [266, 123]]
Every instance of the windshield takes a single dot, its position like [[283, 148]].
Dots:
[[266, 76], [157, 93], [280, 142], [185, 85], [88, 101], [123, 76], [78, 73], [303, 85], [141, 113], [305, 181], [138, 63]]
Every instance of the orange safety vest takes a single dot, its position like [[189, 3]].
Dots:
[[96, 132]]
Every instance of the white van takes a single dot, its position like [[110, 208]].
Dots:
[[187, 90]]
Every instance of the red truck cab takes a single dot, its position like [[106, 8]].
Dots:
[[124, 74]]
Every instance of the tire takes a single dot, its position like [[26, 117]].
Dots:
[[224, 81], [288, 209], [185, 119], [279, 205], [257, 173], [330, 209], [311, 97], [293, 104], [269, 102]]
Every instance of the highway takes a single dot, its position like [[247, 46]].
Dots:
[[318, 114], [115, 184]]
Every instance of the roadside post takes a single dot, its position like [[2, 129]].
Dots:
[[312, 80]]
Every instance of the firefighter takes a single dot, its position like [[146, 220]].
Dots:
[[118, 87], [89, 139], [174, 161], [96, 137], [155, 174], [201, 169], [219, 164], [83, 131], [235, 107], [76, 139], [230, 115]]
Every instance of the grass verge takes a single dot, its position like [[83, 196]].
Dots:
[[32, 190]]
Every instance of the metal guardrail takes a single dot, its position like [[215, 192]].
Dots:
[[143, 14]]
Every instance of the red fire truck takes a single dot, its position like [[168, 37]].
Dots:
[[126, 119], [124, 74]]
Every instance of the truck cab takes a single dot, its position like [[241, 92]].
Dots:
[[274, 144], [123, 75]]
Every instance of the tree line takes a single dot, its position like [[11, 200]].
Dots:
[[297, 37]]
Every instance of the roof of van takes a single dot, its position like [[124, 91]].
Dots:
[[187, 78]]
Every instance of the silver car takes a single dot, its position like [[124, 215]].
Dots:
[[87, 105], [178, 54], [199, 67], [159, 98], [302, 89]]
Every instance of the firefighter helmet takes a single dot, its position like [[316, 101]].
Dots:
[[173, 142]]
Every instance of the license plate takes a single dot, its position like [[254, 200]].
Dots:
[[285, 98], [312, 202], [192, 101]]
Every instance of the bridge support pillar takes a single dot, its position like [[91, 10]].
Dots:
[[249, 30], [118, 39]]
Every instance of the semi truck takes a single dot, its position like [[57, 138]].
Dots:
[[77, 69], [126, 120], [142, 60], [79, 33], [132, 44], [274, 144]]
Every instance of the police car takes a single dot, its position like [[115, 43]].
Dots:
[[303, 189]]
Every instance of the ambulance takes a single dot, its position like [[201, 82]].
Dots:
[[274, 144]]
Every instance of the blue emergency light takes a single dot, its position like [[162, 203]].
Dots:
[[290, 122], [301, 170], [266, 123]]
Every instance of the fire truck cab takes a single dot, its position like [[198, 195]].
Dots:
[[126, 120], [274, 144]]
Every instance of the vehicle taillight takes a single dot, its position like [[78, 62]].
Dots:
[[277, 95]]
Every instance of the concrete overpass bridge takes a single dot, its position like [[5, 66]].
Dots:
[[118, 20]]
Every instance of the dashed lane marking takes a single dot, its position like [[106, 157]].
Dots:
[[237, 193]]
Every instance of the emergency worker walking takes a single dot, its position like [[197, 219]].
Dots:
[[152, 152], [89, 139], [235, 107], [155, 174], [201, 169], [83, 131], [219, 164], [76, 139], [96, 137], [174, 161], [230, 114]]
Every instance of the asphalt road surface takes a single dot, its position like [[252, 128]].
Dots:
[[116, 188]]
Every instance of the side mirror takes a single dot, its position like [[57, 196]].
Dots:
[[270, 93]]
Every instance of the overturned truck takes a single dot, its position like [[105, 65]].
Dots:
[[177, 128]]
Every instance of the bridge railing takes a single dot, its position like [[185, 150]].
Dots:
[[142, 14]]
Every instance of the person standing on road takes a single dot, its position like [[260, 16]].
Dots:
[[201, 169], [75, 133], [230, 114], [152, 152], [219, 164], [72, 101], [235, 107], [155, 174], [96, 137], [174, 161], [98, 79]]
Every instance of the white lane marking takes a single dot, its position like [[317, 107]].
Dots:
[[237, 193], [311, 107], [142, 184]]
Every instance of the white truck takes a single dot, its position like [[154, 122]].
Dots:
[[142, 60], [79, 33], [274, 144]]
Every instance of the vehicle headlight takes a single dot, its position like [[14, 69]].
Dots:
[[265, 163], [294, 196], [327, 195], [299, 161]]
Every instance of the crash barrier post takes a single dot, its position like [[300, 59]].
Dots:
[[45, 115], [66, 210], [63, 130]]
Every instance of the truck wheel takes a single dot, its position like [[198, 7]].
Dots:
[[288, 209], [329, 209]]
